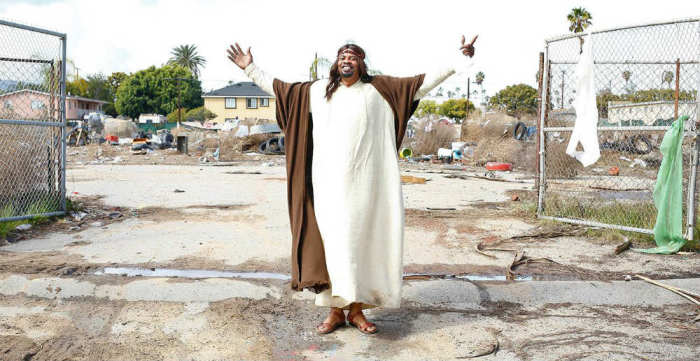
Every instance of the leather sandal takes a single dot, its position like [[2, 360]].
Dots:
[[366, 325], [326, 328]]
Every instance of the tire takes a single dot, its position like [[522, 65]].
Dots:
[[273, 146], [520, 131], [640, 144], [281, 143], [262, 148]]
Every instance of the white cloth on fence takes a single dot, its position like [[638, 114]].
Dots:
[[586, 127]]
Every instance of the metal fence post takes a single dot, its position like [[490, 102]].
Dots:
[[691, 212], [64, 39], [543, 112]]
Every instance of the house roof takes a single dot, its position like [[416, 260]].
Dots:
[[47, 94], [242, 89]]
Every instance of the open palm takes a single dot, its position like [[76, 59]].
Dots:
[[238, 57]]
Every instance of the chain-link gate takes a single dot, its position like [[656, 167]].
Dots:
[[646, 76], [32, 122]]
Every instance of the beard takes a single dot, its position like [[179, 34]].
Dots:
[[347, 73]]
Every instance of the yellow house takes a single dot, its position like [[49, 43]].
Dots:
[[240, 101]]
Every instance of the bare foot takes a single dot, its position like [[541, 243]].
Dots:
[[335, 319]]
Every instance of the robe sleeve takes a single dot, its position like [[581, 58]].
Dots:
[[260, 78], [433, 78], [400, 93], [293, 116]]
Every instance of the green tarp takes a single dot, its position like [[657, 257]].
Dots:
[[668, 193]]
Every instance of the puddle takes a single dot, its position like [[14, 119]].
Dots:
[[195, 273], [467, 277]]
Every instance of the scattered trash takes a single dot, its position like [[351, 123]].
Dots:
[[78, 216], [515, 198], [406, 153], [639, 162], [112, 139], [179, 191], [408, 179], [692, 297], [115, 215], [268, 164], [24, 227], [623, 247], [117, 159], [96, 224], [441, 209], [628, 278], [498, 166], [614, 171]]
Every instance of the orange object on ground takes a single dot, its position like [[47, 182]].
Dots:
[[499, 166], [614, 171]]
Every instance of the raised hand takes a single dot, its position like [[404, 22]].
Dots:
[[238, 57], [468, 49]]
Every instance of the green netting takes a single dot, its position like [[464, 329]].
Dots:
[[668, 193]]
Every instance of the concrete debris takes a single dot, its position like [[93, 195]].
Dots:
[[179, 191]]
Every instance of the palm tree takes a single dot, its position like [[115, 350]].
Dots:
[[667, 77], [323, 63], [480, 77], [439, 92], [579, 20], [627, 75], [186, 56]]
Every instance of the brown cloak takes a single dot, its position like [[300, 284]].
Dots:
[[293, 116]]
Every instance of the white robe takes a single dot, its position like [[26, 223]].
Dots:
[[357, 190]]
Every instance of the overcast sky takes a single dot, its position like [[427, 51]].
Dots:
[[400, 37]]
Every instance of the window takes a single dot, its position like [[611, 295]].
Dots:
[[37, 104], [230, 103], [264, 102], [252, 103]]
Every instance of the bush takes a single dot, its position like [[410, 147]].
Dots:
[[172, 116], [199, 114]]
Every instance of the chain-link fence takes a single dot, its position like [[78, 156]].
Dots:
[[645, 77], [32, 122]]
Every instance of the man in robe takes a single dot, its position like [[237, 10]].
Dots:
[[343, 183]]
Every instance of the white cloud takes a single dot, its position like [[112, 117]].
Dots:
[[400, 37]]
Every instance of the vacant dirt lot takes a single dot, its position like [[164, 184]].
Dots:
[[59, 301]]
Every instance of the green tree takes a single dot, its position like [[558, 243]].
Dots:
[[98, 87], [516, 100], [115, 79], [77, 87], [579, 19], [173, 116], [427, 107], [455, 108], [152, 91], [186, 56]]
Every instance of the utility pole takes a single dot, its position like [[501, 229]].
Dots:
[[179, 94], [468, 94]]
